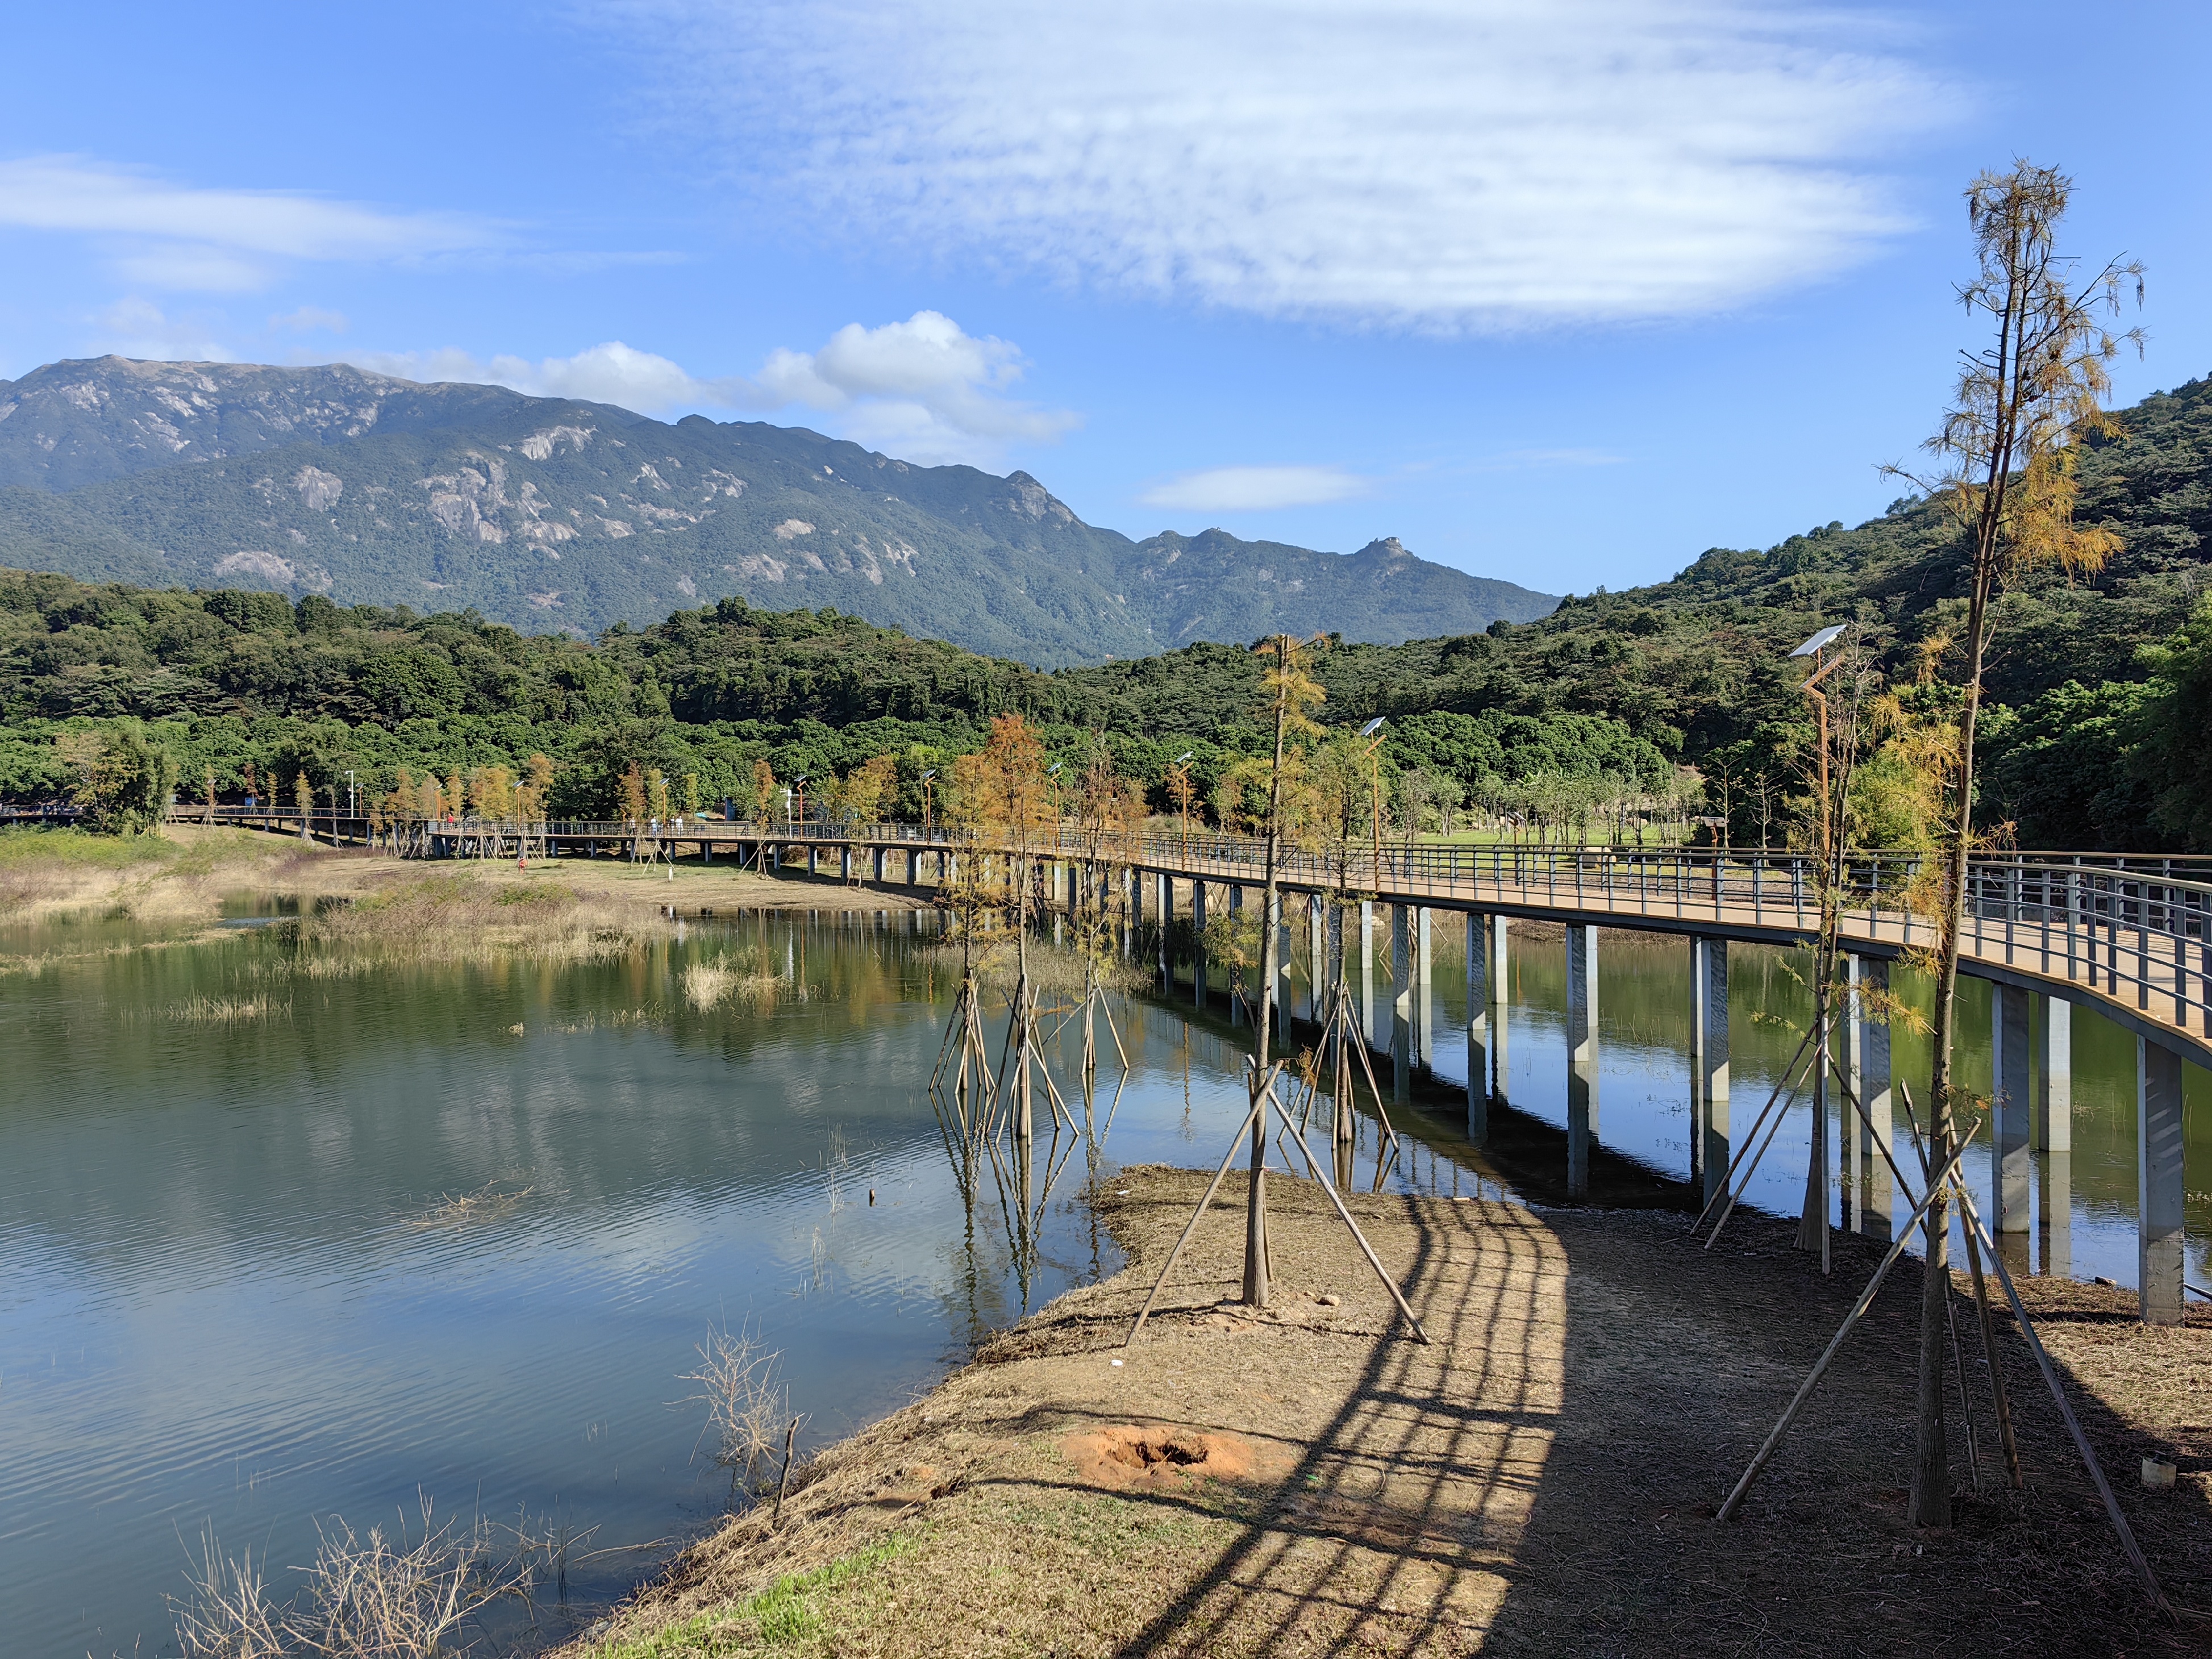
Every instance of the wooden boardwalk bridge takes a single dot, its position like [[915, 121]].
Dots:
[[2130, 937]]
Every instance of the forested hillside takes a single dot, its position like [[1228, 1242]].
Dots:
[[2102, 690]]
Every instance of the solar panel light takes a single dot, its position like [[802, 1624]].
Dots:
[[1820, 642], [1052, 770], [1183, 757], [930, 774], [1372, 728]]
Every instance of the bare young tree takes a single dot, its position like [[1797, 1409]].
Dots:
[[2008, 449]]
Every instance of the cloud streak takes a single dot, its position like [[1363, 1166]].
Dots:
[[164, 234], [1445, 164], [1255, 488]]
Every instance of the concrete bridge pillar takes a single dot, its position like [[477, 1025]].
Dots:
[[1709, 1007], [1317, 955], [882, 853], [1198, 945], [1280, 920], [2160, 1192], [1425, 1052], [1582, 1054], [2054, 1129], [1401, 1003], [1478, 1028], [1235, 910], [1500, 992], [1874, 1191], [845, 863], [1166, 909], [776, 859], [2010, 1101], [812, 851], [1367, 974]]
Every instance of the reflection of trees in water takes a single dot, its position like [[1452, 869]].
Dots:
[[977, 1106]]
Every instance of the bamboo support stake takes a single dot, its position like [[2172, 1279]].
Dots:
[[1850, 1319], [1996, 1372], [1235, 1146], [1365, 1248], [1751, 1169], [1789, 1076], [2133, 1550]]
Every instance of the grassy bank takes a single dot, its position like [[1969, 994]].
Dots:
[[182, 876], [1541, 1480]]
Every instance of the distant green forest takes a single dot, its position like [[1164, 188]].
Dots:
[[2103, 691]]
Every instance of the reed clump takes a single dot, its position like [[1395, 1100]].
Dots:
[[748, 1407], [490, 1202], [230, 1011], [448, 917], [395, 1594], [741, 977]]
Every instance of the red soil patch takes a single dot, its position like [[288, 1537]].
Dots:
[[1155, 1454]]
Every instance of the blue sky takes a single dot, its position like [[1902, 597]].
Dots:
[[1560, 293]]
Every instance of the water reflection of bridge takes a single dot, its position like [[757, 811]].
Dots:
[[2129, 938]]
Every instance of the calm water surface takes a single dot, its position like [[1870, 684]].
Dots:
[[239, 1294]]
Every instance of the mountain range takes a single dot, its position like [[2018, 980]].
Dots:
[[552, 515]]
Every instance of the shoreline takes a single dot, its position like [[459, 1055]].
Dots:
[[187, 880], [1541, 1480]]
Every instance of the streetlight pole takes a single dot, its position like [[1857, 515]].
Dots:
[[350, 812], [926, 787], [1814, 1233], [1370, 731]]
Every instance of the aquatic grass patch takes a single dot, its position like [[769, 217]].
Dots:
[[455, 916], [492, 1202], [228, 1010], [745, 977], [782, 1616]]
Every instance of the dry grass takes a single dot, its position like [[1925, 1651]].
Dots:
[[748, 1409], [178, 875], [400, 1594], [454, 915], [1540, 1481], [743, 978], [490, 1202]]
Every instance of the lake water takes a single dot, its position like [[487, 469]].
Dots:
[[289, 1238]]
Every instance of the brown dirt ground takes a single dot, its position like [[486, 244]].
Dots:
[[1541, 1480]]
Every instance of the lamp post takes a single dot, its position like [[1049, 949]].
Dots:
[[802, 786], [1179, 783], [1816, 1180], [926, 787], [1375, 786], [350, 812]]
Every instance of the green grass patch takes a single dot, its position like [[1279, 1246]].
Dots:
[[22, 845], [784, 1615]]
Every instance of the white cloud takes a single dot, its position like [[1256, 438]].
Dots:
[[1441, 164], [1255, 488], [164, 234], [923, 390]]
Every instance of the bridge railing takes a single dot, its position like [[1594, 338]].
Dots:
[[2138, 929]]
